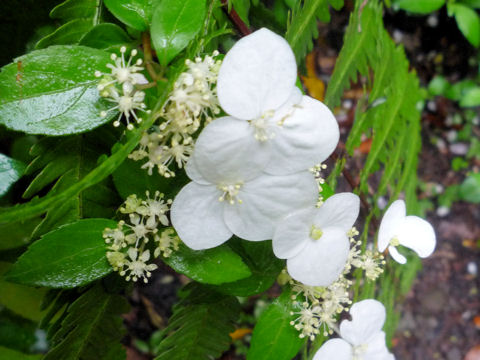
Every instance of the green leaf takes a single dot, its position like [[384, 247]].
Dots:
[[263, 265], [468, 22], [438, 85], [105, 36], [273, 337], [71, 256], [73, 9], [53, 91], [420, 6], [130, 178], [67, 34], [471, 3], [10, 171], [470, 189], [174, 24], [242, 7], [200, 325], [303, 27], [16, 332], [22, 300], [9, 354], [134, 13], [18, 233], [471, 98], [92, 328], [214, 266]]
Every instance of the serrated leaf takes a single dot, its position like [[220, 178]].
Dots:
[[273, 337], [303, 27], [134, 13], [67, 34], [420, 6], [53, 91], [92, 328], [214, 266], [262, 263], [174, 24], [468, 22], [71, 256], [10, 171], [105, 36], [200, 325]]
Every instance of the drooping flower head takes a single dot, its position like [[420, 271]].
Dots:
[[268, 114], [413, 232], [314, 240], [362, 337]]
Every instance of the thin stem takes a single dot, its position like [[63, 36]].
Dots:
[[239, 24], [148, 57]]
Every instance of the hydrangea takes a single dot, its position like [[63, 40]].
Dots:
[[412, 232], [269, 116], [362, 337], [314, 240], [230, 196]]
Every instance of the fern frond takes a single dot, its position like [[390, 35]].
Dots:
[[200, 325], [303, 27], [91, 329]]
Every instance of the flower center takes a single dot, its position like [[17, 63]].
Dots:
[[262, 128], [394, 241], [230, 193], [123, 75], [316, 233], [359, 351], [125, 103]]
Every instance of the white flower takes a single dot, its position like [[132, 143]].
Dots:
[[413, 232], [137, 266], [362, 337], [230, 196], [314, 240], [268, 114]]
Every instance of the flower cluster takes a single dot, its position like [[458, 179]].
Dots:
[[192, 102], [118, 87], [128, 252]]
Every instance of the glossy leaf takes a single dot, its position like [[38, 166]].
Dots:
[[10, 171], [263, 264], [468, 22], [105, 36], [53, 91], [71, 256], [420, 6], [273, 337], [214, 266], [174, 24], [67, 34], [134, 13], [72, 9]]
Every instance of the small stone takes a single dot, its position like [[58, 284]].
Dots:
[[472, 268]]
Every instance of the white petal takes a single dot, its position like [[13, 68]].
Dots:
[[266, 200], [368, 317], [257, 74], [321, 261], [391, 222], [308, 137], [197, 216], [227, 151], [193, 173], [418, 235], [396, 255], [339, 210], [334, 349], [140, 79], [377, 348], [292, 233]]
